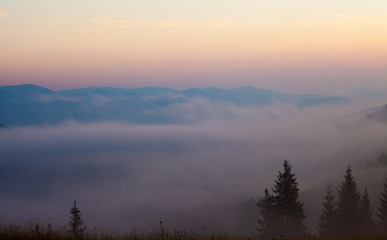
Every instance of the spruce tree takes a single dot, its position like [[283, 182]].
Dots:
[[327, 222], [76, 223], [283, 213], [367, 223], [289, 208], [267, 225], [382, 211], [348, 206]]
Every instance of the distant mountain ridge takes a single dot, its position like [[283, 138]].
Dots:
[[34, 105], [26, 89], [379, 115]]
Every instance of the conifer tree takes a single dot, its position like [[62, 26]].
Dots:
[[327, 222], [267, 225], [283, 213], [76, 223], [367, 223], [348, 206], [382, 210], [289, 208]]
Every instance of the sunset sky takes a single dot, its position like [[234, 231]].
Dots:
[[328, 46]]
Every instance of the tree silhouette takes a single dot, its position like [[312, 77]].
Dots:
[[290, 209], [283, 206], [267, 225], [327, 223], [367, 223], [76, 223], [382, 210], [348, 206]]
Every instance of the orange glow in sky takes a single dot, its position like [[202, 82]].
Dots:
[[180, 44]]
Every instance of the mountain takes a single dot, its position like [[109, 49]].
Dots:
[[379, 115], [356, 117], [254, 96], [25, 90], [34, 105], [239, 96]]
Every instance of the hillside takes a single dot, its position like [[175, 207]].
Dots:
[[379, 115]]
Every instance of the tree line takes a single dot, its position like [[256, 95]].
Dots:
[[282, 212]]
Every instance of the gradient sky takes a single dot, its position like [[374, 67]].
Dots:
[[294, 46]]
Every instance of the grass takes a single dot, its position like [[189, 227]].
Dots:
[[46, 232]]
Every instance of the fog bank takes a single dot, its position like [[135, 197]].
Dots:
[[132, 176]]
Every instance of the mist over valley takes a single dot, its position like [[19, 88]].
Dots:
[[193, 158]]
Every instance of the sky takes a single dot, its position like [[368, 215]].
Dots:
[[129, 174], [299, 46]]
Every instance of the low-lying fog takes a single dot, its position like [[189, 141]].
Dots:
[[189, 176]]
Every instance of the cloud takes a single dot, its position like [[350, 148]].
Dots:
[[125, 23], [109, 21], [167, 24], [340, 19], [117, 23], [187, 175], [56, 97]]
